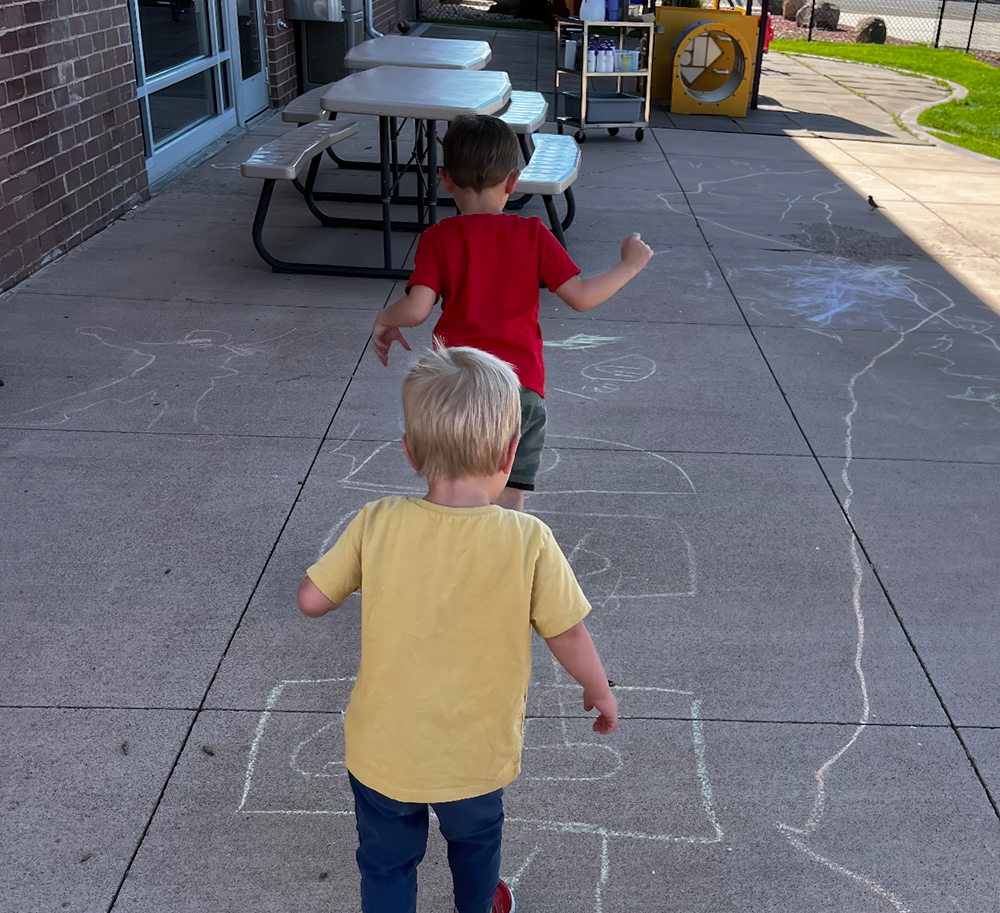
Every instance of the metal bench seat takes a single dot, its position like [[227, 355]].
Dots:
[[306, 108], [283, 158], [553, 167], [526, 112]]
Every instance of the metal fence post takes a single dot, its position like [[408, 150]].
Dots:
[[937, 34], [972, 26], [765, 13], [812, 18]]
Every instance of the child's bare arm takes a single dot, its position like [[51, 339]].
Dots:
[[409, 311], [311, 600], [576, 653], [584, 294]]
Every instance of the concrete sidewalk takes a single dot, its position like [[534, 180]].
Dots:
[[774, 458]]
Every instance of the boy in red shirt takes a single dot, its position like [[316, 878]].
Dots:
[[485, 266]]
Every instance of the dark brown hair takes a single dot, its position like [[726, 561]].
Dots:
[[480, 151]]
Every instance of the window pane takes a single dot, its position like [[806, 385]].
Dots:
[[246, 25], [178, 108], [220, 18], [227, 101], [173, 32]]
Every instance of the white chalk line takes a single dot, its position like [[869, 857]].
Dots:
[[593, 399], [348, 481], [581, 342], [512, 880], [151, 385], [269, 705], [692, 573], [797, 835]]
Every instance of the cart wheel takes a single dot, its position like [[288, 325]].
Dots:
[[639, 134], [612, 131], [581, 136]]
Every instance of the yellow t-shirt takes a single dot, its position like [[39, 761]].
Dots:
[[449, 598]]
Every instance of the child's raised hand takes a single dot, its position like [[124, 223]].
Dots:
[[636, 252], [382, 339], [607, 706]]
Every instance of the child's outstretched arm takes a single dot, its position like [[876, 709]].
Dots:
[[311, 600], [576, 653], [409, 311], [584, 294]]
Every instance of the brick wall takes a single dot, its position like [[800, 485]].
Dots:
[[71, 152], [283, 76], [387, 13]]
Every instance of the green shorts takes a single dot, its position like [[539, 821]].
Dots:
[[529, 450]]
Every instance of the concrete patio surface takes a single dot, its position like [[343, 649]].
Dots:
[[774, 459]]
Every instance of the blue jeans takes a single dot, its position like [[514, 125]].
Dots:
[[393, 838]]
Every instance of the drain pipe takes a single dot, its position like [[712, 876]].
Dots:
[[370, 21]]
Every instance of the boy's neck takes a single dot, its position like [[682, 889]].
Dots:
[[465, 491], [489, 201]]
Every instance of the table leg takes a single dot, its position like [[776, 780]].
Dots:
[[432, 172], [384, 143], [394, 135], [418, 127]]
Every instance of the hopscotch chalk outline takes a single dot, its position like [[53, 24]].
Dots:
[[606, 834], [685, 487]]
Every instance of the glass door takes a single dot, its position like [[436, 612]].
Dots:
[[200, 71], [251, 90]]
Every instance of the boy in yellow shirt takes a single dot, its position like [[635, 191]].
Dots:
[[451, 587]]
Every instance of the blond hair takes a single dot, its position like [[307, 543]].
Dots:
[[461, 410]]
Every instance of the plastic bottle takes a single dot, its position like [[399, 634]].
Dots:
[[612, 7], [569, 60], [592, 10], [608, 58], [591, 61]]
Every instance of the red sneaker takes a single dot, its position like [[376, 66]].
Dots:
[[503, 900]]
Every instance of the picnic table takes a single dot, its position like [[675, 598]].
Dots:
[[425, 95], [438, 53]]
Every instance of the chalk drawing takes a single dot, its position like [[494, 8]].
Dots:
[[677, 201], [279, 779], [987, 395], [171, 381], [581, 342], [861, 295], [593, 399], [626, 369], [608, 374], [591, 538], [822, 291], [825, 289]]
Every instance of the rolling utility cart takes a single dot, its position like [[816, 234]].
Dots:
[[629, 58]]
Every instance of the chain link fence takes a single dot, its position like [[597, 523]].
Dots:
[[485, 10], [966, 25]]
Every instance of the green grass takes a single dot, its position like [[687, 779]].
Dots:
[[973, 122]]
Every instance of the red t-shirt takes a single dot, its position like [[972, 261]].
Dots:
[[486, 269]]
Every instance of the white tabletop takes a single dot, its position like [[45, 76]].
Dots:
[[416, 92], [398, 50]]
